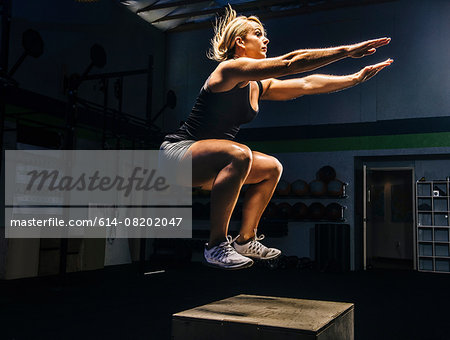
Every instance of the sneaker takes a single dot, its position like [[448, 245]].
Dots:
[[255, 250], [225, 256]]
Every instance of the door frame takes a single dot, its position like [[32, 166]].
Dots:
[[364, 206]]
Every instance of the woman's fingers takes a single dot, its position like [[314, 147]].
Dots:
[[368, 47], [382, 64], [385, 63], [370, 71], [378, 42]]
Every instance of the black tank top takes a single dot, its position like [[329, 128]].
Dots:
[[217, 115]]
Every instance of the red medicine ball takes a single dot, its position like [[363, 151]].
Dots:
[[326, 173], [335, 188], [334, 212], [300, 188], [283, 188], [316, 211], [284, 210], [317, 188], [300, 211]]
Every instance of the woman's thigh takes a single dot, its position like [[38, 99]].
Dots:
[[210, 156]]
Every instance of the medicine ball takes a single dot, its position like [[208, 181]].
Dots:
[[283, 188], [317, 188], [284, 210], [300, 211], [335, 188], [300, 188], [271, 210], [334, 212], [326, 173], [316, 211]]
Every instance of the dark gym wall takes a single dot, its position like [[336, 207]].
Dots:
[[69, 28], [416, 85]]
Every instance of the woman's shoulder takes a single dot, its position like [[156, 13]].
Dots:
[[220, 80], [215, 79]]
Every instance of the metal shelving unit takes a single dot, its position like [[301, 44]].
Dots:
[[433, 228]]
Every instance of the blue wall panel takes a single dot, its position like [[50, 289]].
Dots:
[[416, 85]]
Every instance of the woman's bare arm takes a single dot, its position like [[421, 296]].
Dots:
[[274, 89], [232, 72]]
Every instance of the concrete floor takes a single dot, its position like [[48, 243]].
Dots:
[[117, 303]]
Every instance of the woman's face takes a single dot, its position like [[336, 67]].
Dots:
[[255, 42]]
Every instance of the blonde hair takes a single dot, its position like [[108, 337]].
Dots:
[[226, 29]]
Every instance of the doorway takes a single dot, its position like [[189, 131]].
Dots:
[[389, 218]]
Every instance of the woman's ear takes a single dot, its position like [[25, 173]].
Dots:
[[239, 42]]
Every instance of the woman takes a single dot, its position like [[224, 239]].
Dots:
[[230, 98]]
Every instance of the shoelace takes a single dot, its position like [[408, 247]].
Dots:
[[256, 245], [224, 250], [258, 238]]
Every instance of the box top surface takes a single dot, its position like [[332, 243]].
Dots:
[[297, 314]]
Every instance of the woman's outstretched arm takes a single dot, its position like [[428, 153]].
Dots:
[[232, 72], [274, 89]]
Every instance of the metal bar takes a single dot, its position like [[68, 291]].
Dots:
[[40, 123], [6, 24], [364, 217], [415, 208], [253, 5], [119, 94], [115, 74], [275, 14], [69, 144], [94, 108], [105, 110], [17, 64], [158, 114], [4, 52], [154, 7], [142, 251], [149, 88], [23, 113], [189, 14], [99, 108], [86, 72], [308, 8]]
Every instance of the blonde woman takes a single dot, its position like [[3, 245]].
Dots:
[[229, 98]]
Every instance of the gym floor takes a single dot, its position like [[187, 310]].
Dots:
[[117, 303]]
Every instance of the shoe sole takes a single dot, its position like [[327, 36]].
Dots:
[[213, 265], [262, 258]]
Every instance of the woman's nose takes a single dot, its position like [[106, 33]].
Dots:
[[265, 41]]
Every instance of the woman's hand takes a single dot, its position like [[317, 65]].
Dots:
[[243, 69], [366, 47], [275, 89], [369, 71]]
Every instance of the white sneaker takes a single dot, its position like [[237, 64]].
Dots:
[[255, 250], [225, 256]]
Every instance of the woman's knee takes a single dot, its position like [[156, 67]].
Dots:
[[277, 168], [241, 157]]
